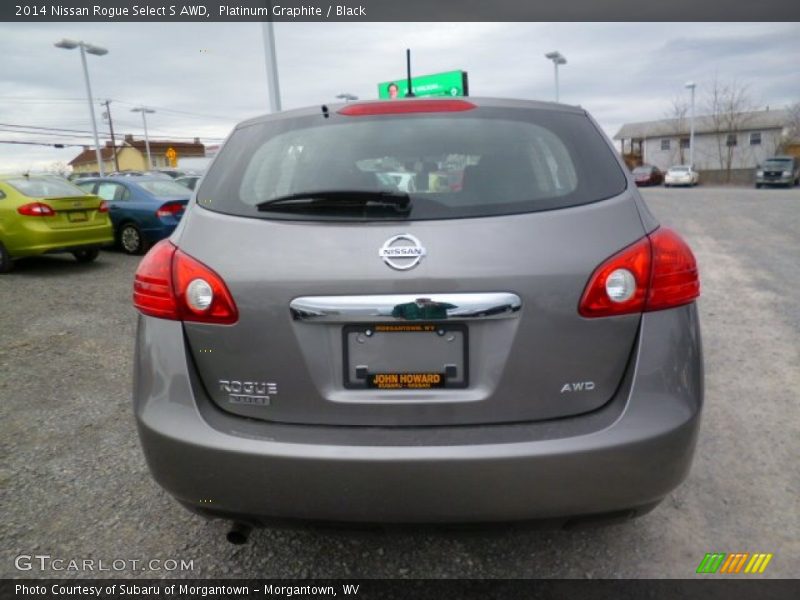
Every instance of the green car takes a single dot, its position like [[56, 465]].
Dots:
[[46, 214]]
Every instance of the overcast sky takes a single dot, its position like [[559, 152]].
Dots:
[[619, 72]]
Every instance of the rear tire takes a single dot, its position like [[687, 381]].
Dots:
[[758, 186], [6, 263], [131, 240], [86, 256]]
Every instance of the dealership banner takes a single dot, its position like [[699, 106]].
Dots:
[[398, 10], [413, 589]]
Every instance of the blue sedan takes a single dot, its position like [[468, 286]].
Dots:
[[143, 209]]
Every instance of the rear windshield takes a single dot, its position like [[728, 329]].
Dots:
[[641, 170], [166, 188], [45, 188], [486, 161], [680, 169]]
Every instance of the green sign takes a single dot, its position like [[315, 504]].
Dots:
[[452, 83]]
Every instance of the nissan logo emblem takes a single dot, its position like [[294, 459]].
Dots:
[[402, 252]]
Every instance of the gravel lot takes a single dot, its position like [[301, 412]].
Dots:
[[73, 482]]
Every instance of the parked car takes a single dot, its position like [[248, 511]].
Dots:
[[190, 181], [46, 215], [143, 209], [681, 175], [316, 346], [648, 175], [171, 173], [128, 173], [779, 170], [77, 176]]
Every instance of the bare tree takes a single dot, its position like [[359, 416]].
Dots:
[[679, 109], [729, 108], [58, 168], [791, 135]]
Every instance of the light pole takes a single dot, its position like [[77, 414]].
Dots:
[[691, 85], [271, 63], [145, 111], [558, 59], [97, 51], [347, 97]]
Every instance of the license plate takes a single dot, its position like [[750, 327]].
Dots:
[[405, 356], [77, 215]]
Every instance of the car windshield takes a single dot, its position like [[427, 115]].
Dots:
[[452, 165], [778, 163], [43, 187], [642, 170], [680, 169], [163, 188]]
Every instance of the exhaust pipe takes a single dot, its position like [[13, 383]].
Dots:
[[239, 533]]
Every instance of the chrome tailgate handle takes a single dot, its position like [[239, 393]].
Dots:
[[406, 307]]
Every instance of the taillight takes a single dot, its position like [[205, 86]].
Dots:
[[103, 208], [602, 298], [675, 279], [202, 295], [169, 209], [170, 284], [36, 209], [152, 285], [393, 107], [659, 271]]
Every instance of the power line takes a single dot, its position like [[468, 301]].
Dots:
[[36, 100], [62, 131], [179, 112], [51, 133], [48, 128], [54, 145]]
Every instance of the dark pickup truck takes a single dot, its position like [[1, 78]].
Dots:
[[778, 170]]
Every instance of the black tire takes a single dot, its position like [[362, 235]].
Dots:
[[86, 256], [131, 240], [6, 264], [758, 186]]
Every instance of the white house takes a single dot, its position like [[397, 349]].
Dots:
[[744, 142]]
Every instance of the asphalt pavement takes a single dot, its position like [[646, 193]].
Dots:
[[74, 484]]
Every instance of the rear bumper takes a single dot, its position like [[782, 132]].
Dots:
[[775, 181], [630, 453], [42, 240]]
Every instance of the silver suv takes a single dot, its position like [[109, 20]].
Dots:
[[419, 310]]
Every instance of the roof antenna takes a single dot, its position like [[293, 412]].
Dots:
[[325, 111], [410, 92]]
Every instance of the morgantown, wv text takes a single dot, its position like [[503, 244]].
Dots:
[[167, 590]]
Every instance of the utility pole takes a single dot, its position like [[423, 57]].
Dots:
[[111, 128]]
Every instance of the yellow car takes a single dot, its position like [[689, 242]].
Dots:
[[47, 214]]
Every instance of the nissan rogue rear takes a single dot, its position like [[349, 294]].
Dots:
[[421, 310]]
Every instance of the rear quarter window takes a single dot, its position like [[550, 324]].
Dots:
[[45, 188], [166, 188], [483, 162]]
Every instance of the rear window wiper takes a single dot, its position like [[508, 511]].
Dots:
[[328, 199]]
